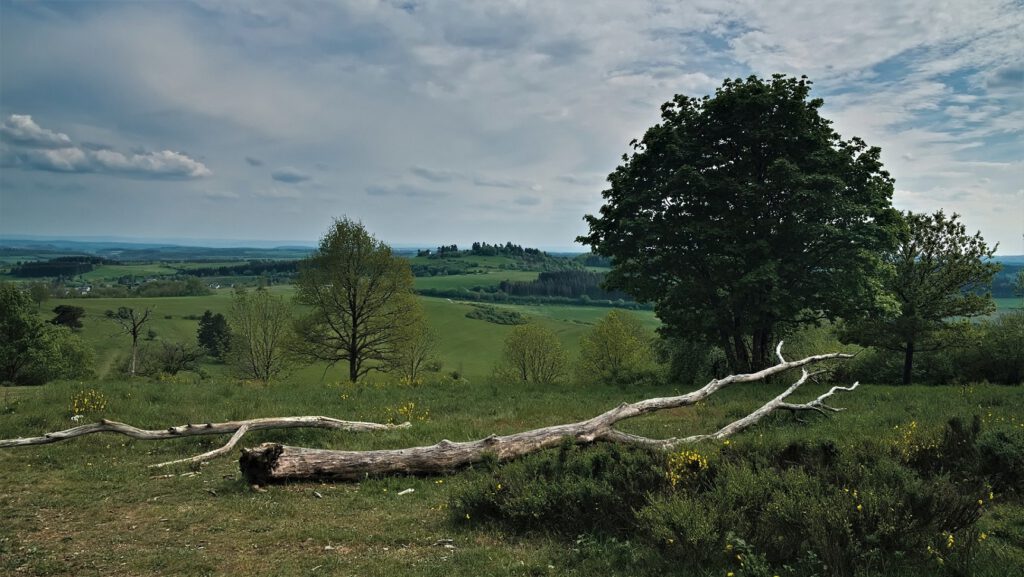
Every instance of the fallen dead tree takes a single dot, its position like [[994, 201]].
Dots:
[[272, 462], [237, 428]]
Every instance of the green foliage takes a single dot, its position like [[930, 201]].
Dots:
[[617, 350], [743, 212], [170, 358], [936, 277], [360, 295], [33, 352], [214, 334], [997, 354], [496, 315], [261, 335], [801, 508], [68, 316], [532, 354], [414, 348], [565, 492], [690, 362]]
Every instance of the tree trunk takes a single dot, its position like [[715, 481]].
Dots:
[[135, 354], [272, 462], [908, 363]]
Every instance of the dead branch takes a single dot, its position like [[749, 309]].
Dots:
[[273, 462], [210, 454], [190, 430]]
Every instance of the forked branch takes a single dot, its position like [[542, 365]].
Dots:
[[273, 462]]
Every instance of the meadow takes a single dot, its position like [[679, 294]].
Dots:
[[91, 506]]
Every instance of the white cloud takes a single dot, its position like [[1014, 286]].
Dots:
[[33, 147], [22, 130]]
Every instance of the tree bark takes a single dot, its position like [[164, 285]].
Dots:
[[908, 363], [272, 462]]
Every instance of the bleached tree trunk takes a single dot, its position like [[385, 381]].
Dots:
[[272, 462]]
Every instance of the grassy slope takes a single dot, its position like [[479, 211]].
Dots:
[[90, 506], [468, 345]]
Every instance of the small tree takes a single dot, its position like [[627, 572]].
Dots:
[[260, 333], [361, 295], [533, 354], [69, 316], [214, 334], [414, 348], [937, 278], [131, 322], [172, 357], [617, 350], [40, 293]]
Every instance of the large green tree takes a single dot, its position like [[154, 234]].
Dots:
[[744, 215], [938, 276], [361, 299]]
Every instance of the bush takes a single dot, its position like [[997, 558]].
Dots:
[[565, 491], [496, 315], [618, 350], [801, 508]]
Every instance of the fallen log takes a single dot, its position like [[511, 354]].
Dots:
[[273, 462], [237, 428]]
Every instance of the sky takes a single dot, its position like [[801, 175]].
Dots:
[[456, 121]]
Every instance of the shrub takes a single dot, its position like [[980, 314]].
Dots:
[[617, 350], [496, 315]]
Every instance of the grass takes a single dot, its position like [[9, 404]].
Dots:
[[484, 278], [91, 507], [470, 346]]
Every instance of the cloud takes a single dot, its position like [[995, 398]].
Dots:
[[436, 175], [290, 175], [403, 190], [36, 148], [253, 161], [527, 200], [22, 130]]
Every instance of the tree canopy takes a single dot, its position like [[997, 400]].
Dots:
[[361, 297], [745, 214], [938, 276], [33, 351]]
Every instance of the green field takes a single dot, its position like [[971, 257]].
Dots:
[[470, 346], [91, 507], [468, 281]]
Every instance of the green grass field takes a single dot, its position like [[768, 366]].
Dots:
[[484, 278], [90, 506]]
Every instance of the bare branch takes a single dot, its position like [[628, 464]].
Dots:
[[210, 454], [189, 430]]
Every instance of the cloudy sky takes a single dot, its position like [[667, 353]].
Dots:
[[454, 121]]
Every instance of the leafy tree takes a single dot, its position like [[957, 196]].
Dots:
[[213, 334], [32, 351], [744, 215], [533, 354], [936, 277], [617, 350], [361, 295], [131, 322], [260, 335], [39, 292], [69, 316]]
